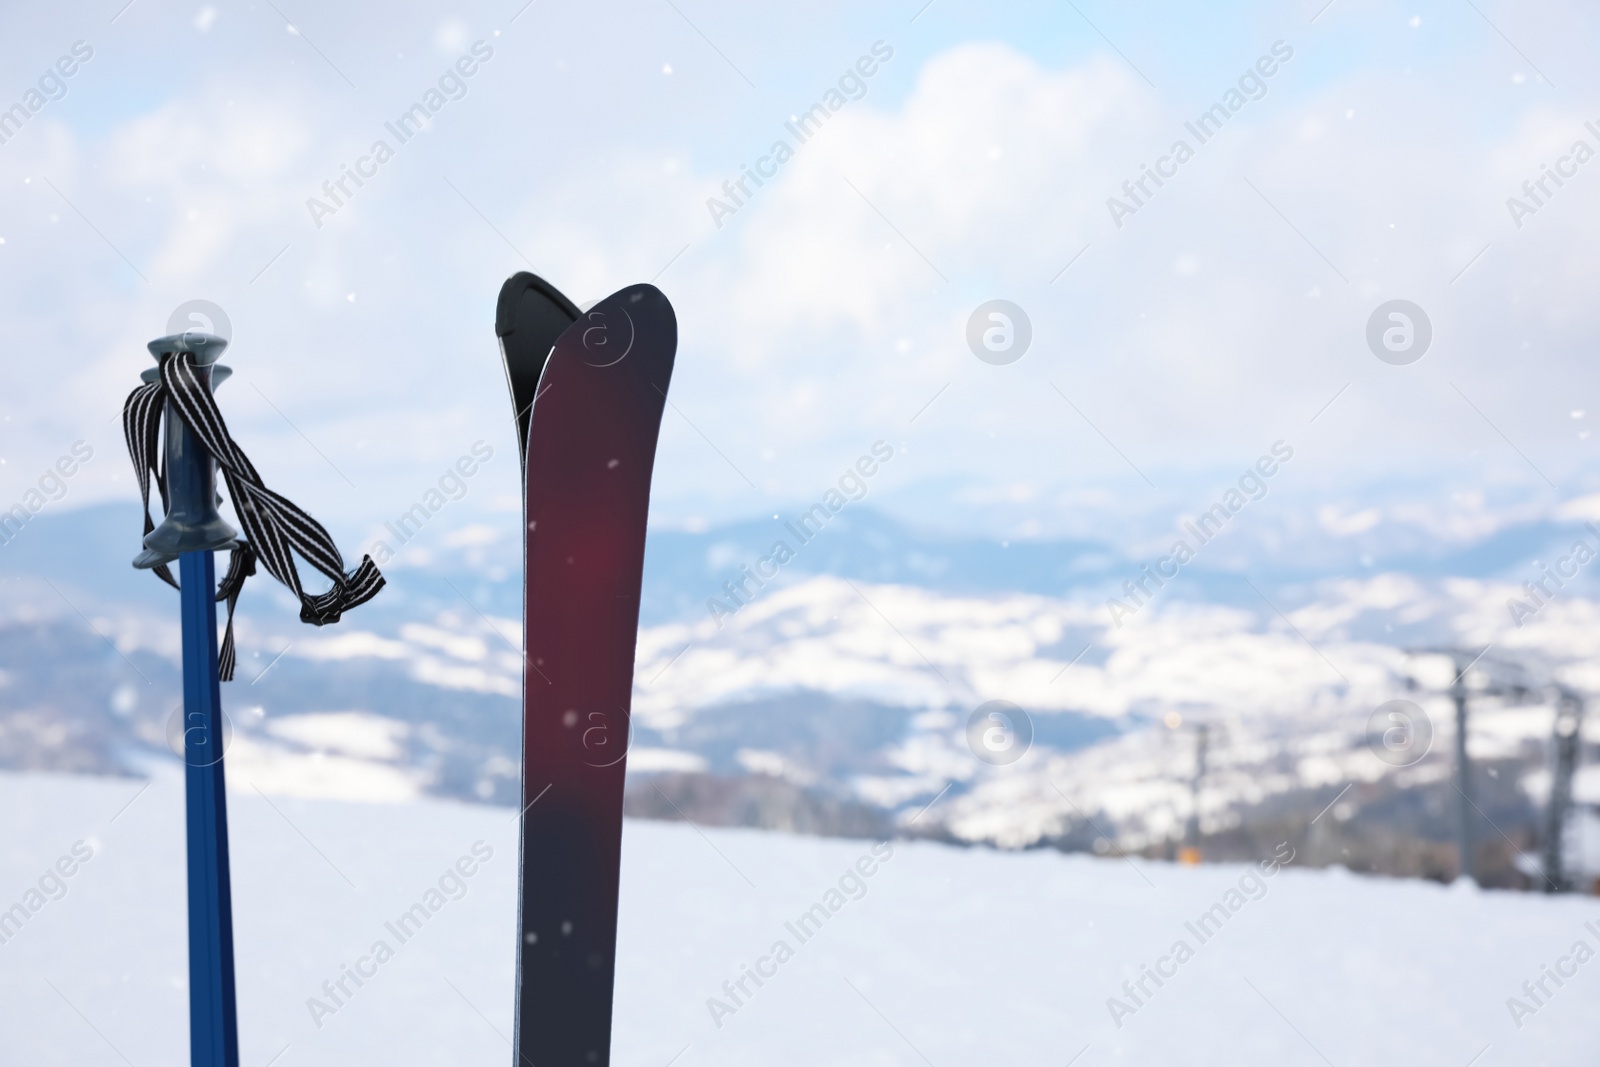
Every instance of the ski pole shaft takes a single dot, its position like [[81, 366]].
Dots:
[[213, 1016], [191, 532]]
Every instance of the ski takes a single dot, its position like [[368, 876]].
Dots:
[[592, 425], [529, 316]]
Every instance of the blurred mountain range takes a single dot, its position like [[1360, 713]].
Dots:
[[836, 698]]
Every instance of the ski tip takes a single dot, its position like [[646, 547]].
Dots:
[[634, 320], [644, 298], [511, 300], [642, 292], [528, 317]]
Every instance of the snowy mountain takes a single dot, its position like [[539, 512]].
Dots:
[[845, 685]]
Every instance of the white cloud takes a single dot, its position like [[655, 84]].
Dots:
[[809, 325]]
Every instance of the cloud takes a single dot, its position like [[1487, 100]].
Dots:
[[831, 310]]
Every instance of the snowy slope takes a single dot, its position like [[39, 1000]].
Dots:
[[853, 674], [946, 956]]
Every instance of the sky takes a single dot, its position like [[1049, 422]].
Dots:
[[1175, 338]]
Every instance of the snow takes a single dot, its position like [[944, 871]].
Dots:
[[939, 955], [1289, 698]]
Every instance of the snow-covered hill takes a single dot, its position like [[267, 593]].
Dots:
[[939, 956], [853, 674]]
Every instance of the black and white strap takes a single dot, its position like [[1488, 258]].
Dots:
[[141, 422], [274, 528]]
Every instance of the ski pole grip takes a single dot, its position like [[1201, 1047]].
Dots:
[[192, 523], [206, 349]]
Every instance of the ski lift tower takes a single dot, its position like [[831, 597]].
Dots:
[[1202, 743], [1189, 852], [1565, 742], [1504, 679]]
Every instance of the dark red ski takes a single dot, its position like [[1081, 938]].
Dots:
[[591, 447]]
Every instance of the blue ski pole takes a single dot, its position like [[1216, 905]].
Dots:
[[190, 533]]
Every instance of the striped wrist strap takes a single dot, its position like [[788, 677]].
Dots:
[[274, 527]]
